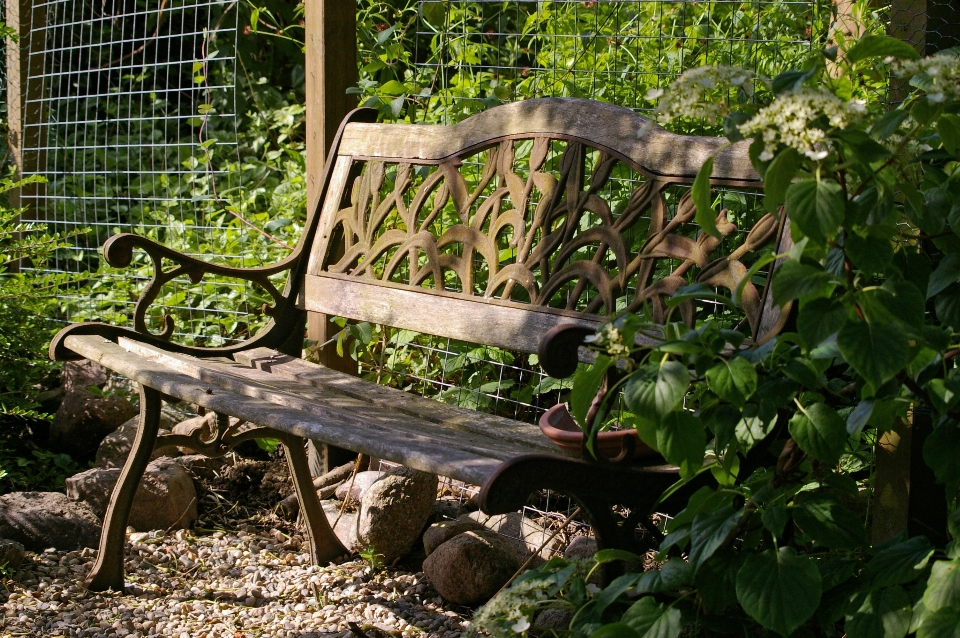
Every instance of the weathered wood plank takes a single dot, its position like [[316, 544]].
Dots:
[[324, 403], [617, 129], [369, 438], [491, 322]]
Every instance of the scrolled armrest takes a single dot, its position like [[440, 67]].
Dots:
[[558, 349]]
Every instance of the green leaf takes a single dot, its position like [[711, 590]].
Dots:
[[586, 383], [794, 280], [716, 579], [393, 87], [939, 452], [779, 589], [948, 126], [651, 619], [899, 564], [870, 254], [944, 393], [780, 173], [700, 192], [877, 351], [884, 614], [858, 419], [681, 439], [943, 586], [756, 424], [881, 46], [888, 123], [829, 523], [657, 389], [708, 532], [947, 306], [611, 555], [733, 380], [616, 630], [820, 432], [816, 207], [947, 273], [774, 519], [944, 623], [819, 319]]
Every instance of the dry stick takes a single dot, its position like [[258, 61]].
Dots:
[[527, 562], [180, 518], [356, 631], [346, 498]]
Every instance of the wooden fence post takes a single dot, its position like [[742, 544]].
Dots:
[[331, 63], [24, 94]]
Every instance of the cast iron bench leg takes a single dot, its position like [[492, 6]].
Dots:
[[107, 572]]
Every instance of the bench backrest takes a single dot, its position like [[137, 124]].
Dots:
[[524, 217]]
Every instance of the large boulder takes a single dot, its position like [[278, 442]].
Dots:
[[115, 447], [471, 567], [439, 533], [40, 520], [394, 510], [166, 497], [527, 536], [346, 525], [84, 418], [360, 484]]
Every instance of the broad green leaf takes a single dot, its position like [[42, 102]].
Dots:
[[816, 207], [616, 630], [881, 46], [779, 589], [585, 385], [716, 579], [947, 306], [657, 389], [700, 192], [780, 173], [888, 123], [818, 319], [829, 523], [774, 519], [676, 573], [650, 619], [681, 439], [589, 617], [948, 126], [943, 586], [944, 393], [870, 254], [877, 351], [947, 273], [944, 623], [733, 380], [610, 555], [393, 87], [794, 280], [939, 452], [708, 532], [820, 432], [858, 419], [756, 424], [884, 614], [899, 564]]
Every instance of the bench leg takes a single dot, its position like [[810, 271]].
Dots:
[[107, 572], [324, 544]]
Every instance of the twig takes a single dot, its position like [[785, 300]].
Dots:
[[180, 518], [356, 631], [346, 498], [527, 562]]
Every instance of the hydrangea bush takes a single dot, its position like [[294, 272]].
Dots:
[[776, 541]]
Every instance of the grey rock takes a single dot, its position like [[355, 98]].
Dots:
[[346, 526], [553, 619], [11, 554], [115, 447], [394, 510], [581, 547], [361, 483], [527, 535], [80, 375], [202, 466], [446, 509], [166, 497], [39, 520], [439, 533], [83, 420], [471, 567]]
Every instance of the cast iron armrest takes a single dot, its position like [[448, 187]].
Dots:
[[558, 349]]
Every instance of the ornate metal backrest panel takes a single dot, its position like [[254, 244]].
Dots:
[[541, 226]]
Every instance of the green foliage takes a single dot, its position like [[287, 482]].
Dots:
[[777, 544]]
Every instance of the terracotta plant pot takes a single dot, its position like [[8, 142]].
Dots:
[[560, 427]]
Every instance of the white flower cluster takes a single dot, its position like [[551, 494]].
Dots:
[[685, 97], [609, 338], [941, 72], [788, 121], [508, 613]]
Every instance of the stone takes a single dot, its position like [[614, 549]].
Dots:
[[394, 511], [446, 509], [439, 533], [346, 526], [115, 447], [39, 520], [583, 547], [361, 483], [11, 554], [550, 620], [83, 420], [527, 535], [80, 375], [471, 567], [202, 466], [166, 497]]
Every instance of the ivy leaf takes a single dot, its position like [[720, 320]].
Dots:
[[877, 351], [820, 432], [816, 207], [794, 280], [716, 579], [947, 273], [943, 586], [708, 533], [899, 564], [818, 319], [779, 589], [650, 619], [881, 46], [945, 623], [884, 614], [681, 439], [829, 523], [700, 193], [733, 380], [585, 386]]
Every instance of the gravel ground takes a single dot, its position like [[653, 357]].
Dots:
[[234, 584]]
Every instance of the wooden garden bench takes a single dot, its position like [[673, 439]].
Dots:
[[532, 216]]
